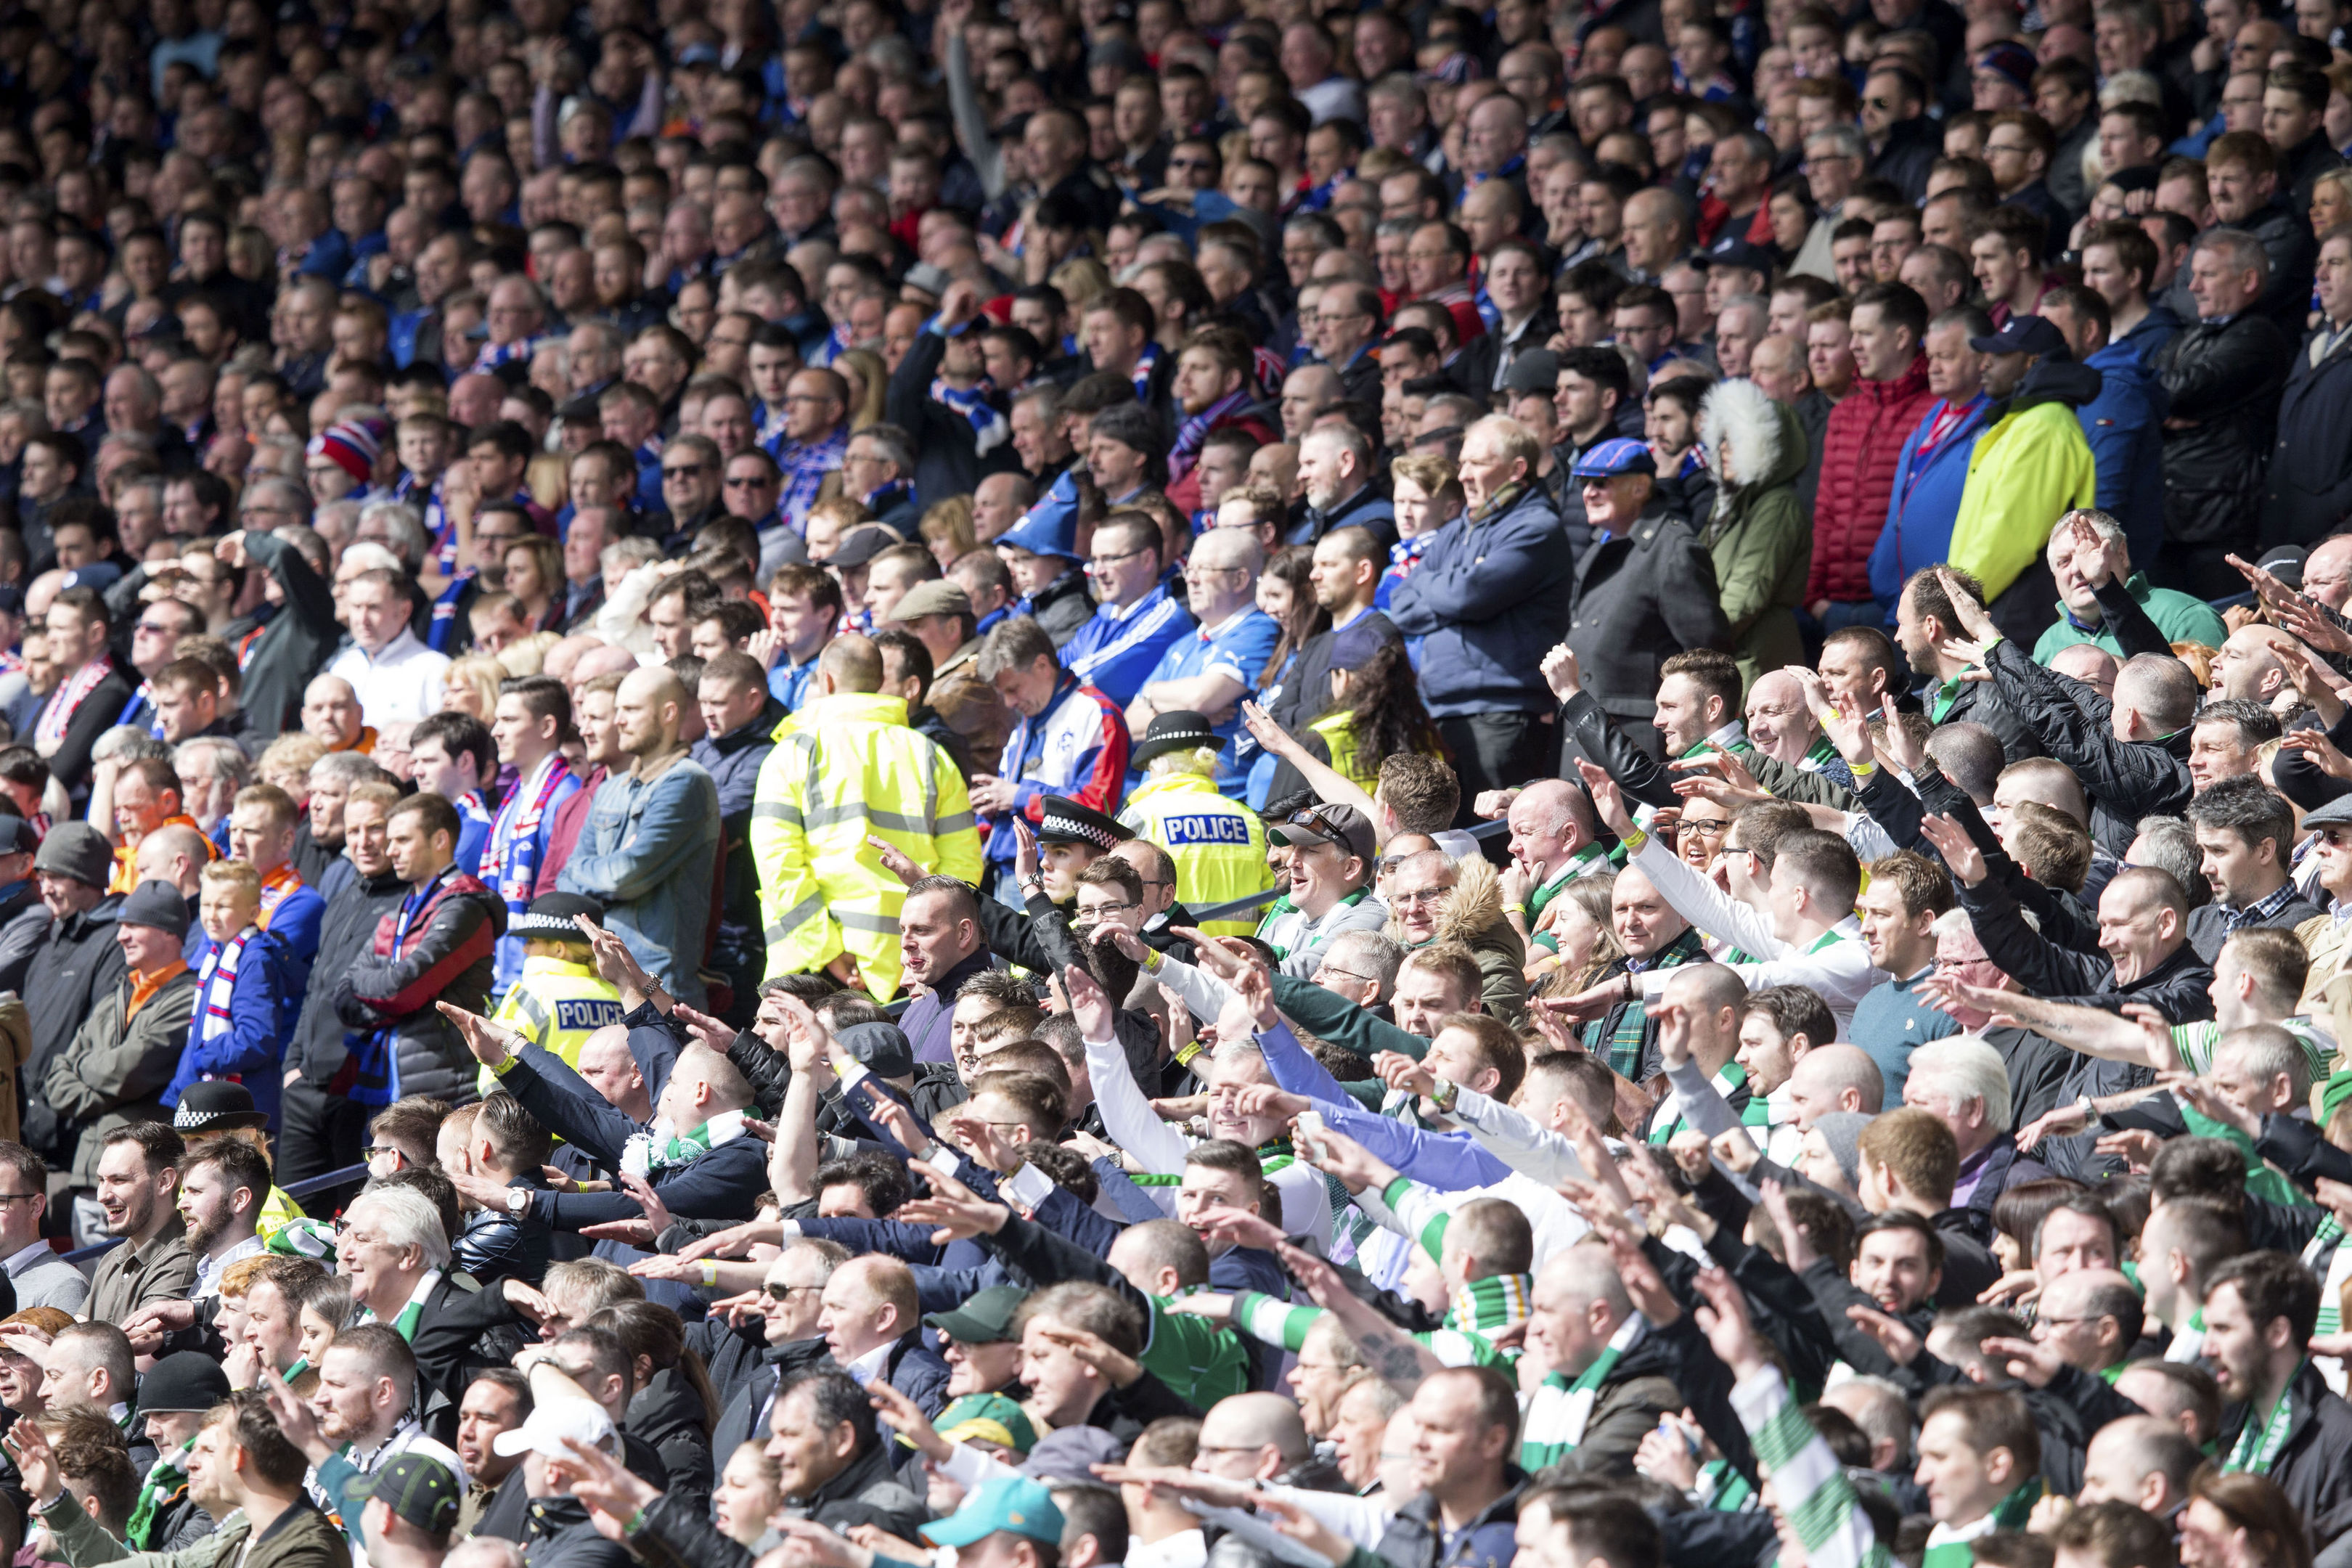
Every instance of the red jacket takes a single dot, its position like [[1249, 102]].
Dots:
[[1859, 452]]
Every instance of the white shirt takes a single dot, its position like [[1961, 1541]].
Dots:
[[1185, 1549], [400, 684], [209, 1269], [871, 1366]]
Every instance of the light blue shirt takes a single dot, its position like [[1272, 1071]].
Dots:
[[1239, 648]]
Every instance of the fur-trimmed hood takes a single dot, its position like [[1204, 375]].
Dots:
[[1472, 911], [1752, 443]]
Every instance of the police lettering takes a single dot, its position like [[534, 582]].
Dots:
[[1205, 828]]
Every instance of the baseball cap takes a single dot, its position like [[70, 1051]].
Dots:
[[1013, 1505], [1733, 251], [17, 836], [984, 1318], [1342, 825], [1618, 455], [2022, 335], [417, 1487], [990, 1418], [881, 1048], [562, 1409], [861, 545]]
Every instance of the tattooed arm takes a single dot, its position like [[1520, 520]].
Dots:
[[1389, 1350]]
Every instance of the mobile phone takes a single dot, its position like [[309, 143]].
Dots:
[[1310, 1133]]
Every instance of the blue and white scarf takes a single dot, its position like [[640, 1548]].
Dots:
[[496, 354], [1145, 363], [214, 985], [511, 860], [804, 470], [989, 428]]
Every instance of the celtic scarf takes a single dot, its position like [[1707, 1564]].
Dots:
[[648, 1154], [2260, 1443], [1559, 1412], [166, 1483], [2330, 1235], [406, 1324], [1728, 1083]]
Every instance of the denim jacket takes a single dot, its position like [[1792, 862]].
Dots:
[[647, 851]]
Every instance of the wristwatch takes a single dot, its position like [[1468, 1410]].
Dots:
[[2089, 1111], [518, 1201]]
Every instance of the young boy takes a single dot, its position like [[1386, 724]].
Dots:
[[421, 441], [245, 1006], [558, 999]]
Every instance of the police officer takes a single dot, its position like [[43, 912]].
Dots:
[[1218, 844]]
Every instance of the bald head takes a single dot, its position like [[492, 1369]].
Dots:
[[176, 854], [1266, 1427], [603, 659], [648, 710], [1835, 1078]]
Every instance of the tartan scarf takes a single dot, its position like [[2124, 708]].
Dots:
[[972, 403], [805, 468], [1626, 1030], [1195, 431]]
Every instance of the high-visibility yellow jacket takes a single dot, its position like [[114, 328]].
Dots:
[[844, 767], [1218, 844], [556, 1005]]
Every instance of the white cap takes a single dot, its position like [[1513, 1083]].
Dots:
[[552, 1421]]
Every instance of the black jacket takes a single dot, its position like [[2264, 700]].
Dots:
[[24, 923], [1978, 702], [947, 460], [739, 1418], [668, 1415], [78, 963], [2308, 491], [2310, 1469], [2126, 780], [2175, 987], [2209, 924], [346, 934], [294, 645], [2230, 373], [559, 1533], [495, 1246], [1638, 599], [1911, 151], [733, 762], [2287, 239]]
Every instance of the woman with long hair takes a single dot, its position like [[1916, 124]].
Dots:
[[1376, 709], [869, 383], [534, 573], [2236, 1519], [1284, 592]]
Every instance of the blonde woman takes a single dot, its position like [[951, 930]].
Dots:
[[470, 685], [947, 529], [869, 383]]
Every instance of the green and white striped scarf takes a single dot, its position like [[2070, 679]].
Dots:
[[1560, 1410]]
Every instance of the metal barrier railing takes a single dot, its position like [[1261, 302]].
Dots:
[[299, 1190]]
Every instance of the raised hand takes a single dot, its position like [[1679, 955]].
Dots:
[[1336, 1154], [906, 1417], [982, 1141], [2207, 1097], [1276, 740], [1960, 855], [1269, 1100], [1724, 1319], [1895, 1336], [1240, 1226], [1607, 798], [1402, 1073], [1561, 673], [705, 1028], [2064, 1122], [1118, 1368], [614, 961], [959, 1213], [602, 1481], [894, 860], [491, 1042], [2156, 1029], [36, 1462], [1088, 1004], [1970, 615], [1025, 851]]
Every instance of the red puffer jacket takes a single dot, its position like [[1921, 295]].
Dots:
[[1859, 451]]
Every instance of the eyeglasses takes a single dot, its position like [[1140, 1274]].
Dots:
[[1323, 969], [1104, 563], [386, 1152], [1092, 911], [1706, 827], [1418, 895], [159, 631], [7, 1198]]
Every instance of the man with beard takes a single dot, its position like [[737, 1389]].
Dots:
[[221, 1189]]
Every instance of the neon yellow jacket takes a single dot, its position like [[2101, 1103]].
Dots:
[[844, 767], [1218, 844], [555, 1005], [2023, 474], [1337, 729]]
